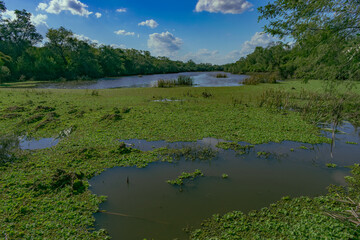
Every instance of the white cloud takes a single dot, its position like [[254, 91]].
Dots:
[[223, 6], [86, 39], [39, 19], [202, 56], [260, 39], [210, 56], [118, 46], [164, 44], [9, 15], [41, 6], [125, 33], [98, 15], [121, 10], [75, 7], [149, 23]]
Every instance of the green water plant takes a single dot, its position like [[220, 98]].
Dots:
[[241, 149], [224, 176], [331, 165], [185, 176]]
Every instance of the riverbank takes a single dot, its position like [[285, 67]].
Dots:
[[45, 192]]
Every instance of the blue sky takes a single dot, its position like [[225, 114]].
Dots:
[[215, 31]]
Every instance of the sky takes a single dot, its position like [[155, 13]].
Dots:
[[206, 31]]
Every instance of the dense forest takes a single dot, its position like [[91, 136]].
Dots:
[[325, 41], [64, 57]]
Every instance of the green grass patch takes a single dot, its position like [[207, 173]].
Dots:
[[44, 193]]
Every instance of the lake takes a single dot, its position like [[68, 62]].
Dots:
[[201, 79]]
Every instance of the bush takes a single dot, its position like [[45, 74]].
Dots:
[[255, 79]]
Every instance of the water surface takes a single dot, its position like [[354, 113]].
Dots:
[[148, 207], [201, 79]]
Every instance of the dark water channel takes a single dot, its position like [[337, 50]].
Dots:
[[149, 207], [201, 79]]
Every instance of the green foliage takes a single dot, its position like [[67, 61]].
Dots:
[[181, 81], [257, 78], [185, 176], [331, 165]]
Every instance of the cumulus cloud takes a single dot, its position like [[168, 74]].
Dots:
[[202, 56], [98, 15], [164, 44], [75, 7], [260, 39], [121, 10], [124, 33], [122, 46], [39, 19], [9, 14], [223, 6], [41, 6], [86, 39], [149, 23]]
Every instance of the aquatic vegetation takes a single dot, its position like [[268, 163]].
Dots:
[[241, 149], [191, 153], [181, 81], [185, 176], [220, 75], [331, 165], [264, 154], [93, 147], [224, 176], [353, 143]]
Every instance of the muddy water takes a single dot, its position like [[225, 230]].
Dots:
[[201, 79], [148, 207]]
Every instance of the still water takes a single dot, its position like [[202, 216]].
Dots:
[[148, 207], [201, 79]]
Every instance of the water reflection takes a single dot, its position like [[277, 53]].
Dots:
[[148, 207]]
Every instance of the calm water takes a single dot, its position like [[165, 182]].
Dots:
[[201, 79], [33, 144], [148, 207]]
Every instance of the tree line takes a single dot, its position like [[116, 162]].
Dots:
[[64, 57], [326, 41]]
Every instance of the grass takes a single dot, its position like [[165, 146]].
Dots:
[[44, 193], [220, 75], [181, 81]]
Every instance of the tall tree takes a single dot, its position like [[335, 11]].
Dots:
[[60, 41], [20, 31]]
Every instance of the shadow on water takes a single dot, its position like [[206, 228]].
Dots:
[[148, 207], [201, 79]]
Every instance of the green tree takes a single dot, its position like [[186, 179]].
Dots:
[[60, 42], [326, 34]]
